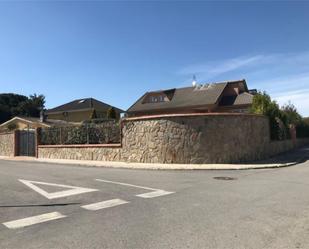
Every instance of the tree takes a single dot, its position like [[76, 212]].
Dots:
[[93, 115], [14, 104], [262, 104], [111, 113], [291, 114]]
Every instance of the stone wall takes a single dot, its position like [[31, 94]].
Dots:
[[99, 153], [7, 144], [277, 147], [195, 138]]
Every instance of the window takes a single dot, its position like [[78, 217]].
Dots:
[[154, 99]]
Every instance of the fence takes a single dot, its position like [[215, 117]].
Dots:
[[104, 133]]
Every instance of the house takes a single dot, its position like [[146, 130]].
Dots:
[[31, 123], [81, 110], [229, 96]]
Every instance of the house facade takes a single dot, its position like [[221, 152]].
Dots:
[[82, 109], [229, 96], [31, 123]]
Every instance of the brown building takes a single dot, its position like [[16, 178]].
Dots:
[[81, 110], [229, 96]]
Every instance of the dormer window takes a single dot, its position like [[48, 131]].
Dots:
[[156, 98], [159, 96]]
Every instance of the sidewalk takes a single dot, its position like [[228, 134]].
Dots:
[[283, 160]]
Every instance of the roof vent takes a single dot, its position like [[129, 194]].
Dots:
[[194, 82]]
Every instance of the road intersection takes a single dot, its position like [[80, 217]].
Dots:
[[64, 206]]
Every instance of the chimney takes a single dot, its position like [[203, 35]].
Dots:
[[42, 116]]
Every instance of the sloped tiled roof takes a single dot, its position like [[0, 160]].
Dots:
[[80, 104], [184, 97], [241, 99]]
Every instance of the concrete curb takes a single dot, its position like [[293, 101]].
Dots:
[[152, 166]]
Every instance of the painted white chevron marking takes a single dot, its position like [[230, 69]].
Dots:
[[104, 204], [73, 190], [33, 220], [154, 193]]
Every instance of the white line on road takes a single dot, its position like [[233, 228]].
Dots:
[[126, 184], [73, 190], [33, 220], [104, 204], [154, 193]]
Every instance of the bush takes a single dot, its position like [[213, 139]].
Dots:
[[262, 104], [111, 113], [107, 132], [302, 130]]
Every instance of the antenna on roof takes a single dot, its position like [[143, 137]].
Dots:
[[194, 82]]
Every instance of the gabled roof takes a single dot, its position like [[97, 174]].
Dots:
[[82, 104], [241, 99], [207, 94], [32, 121]]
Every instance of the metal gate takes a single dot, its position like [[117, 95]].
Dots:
[[26, 143]]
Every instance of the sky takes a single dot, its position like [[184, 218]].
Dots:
[[117, 50]]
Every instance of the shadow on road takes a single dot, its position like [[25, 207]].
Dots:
[[40, 205], [295, 156]]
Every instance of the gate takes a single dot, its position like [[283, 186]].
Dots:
[[27, 142]]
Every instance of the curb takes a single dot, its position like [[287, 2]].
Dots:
[[154, 166]]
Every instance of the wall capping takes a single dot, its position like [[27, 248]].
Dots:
[[7, 133], [81, 146], [191, 115]]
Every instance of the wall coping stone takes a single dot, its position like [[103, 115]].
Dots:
[[7, 133], [81, 146], [191, 115]]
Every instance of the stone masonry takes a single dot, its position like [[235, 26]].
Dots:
[[220, 138], [7, 144]]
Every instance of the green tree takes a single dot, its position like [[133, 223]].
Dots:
[[291, 115], [93, 115], [111, 113], [18, 105], [262, 104]]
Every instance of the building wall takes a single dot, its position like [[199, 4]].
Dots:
[[76, 116], [7, 144]]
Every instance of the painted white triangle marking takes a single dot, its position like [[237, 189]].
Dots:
[[73, 190]]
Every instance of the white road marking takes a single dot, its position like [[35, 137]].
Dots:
[[152, 194], [33, 220], [104, 204], [155, 194], [125, 184], [73, 189]]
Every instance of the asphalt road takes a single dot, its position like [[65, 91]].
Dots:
[[266, 208]]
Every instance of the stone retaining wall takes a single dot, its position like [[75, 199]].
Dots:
[[189, 139], [7, 144]]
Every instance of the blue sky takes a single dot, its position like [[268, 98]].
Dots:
[[115, 51]]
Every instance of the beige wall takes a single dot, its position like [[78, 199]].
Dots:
[[72, 116], [78, 116], [7, 144]]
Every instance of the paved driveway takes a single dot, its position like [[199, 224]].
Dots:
[[65, 206]]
